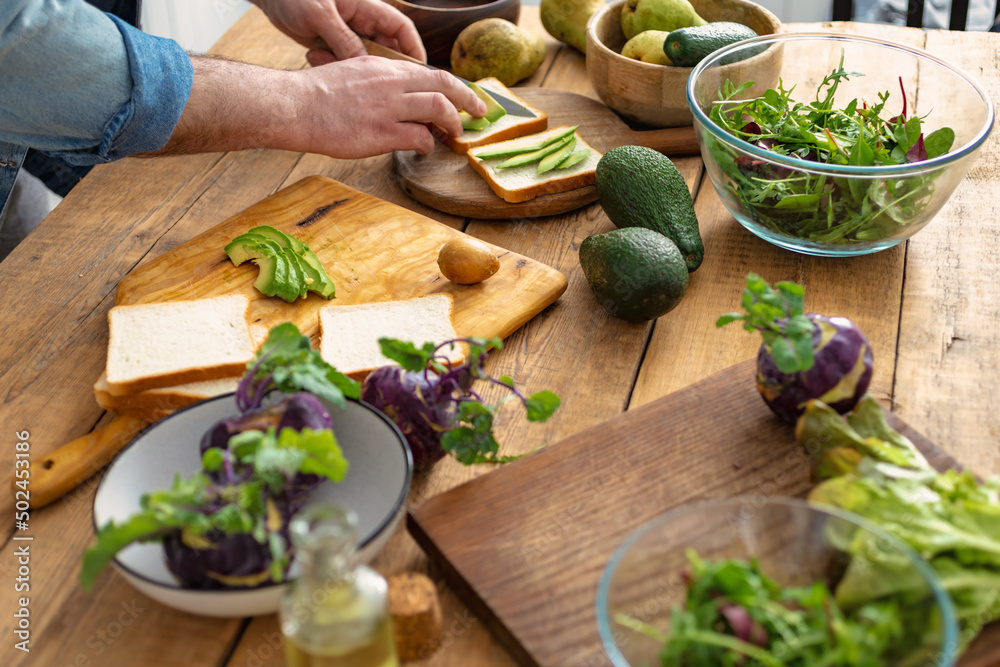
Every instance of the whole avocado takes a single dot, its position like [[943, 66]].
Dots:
[[635, 273], [639, 187]]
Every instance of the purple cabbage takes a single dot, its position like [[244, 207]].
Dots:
[[422, 407], [233, 561], [297, 411], [839, 377]]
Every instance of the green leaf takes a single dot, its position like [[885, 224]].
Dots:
[[113, 537], [406, 354], [287, 358], [542, 405], [213, 459], [939, 142]]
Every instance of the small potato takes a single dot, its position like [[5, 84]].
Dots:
[[466, 261]]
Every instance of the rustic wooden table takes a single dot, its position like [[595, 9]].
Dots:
[[931, 308]]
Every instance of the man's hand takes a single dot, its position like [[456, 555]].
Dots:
[[355, 108], [370, 105], [326, 26]]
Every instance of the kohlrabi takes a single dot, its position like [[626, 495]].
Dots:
[[227, 525], [436, 405], [804, 355]]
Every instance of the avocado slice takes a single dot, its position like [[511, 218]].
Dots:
[[324, 286], [534, 156], [552, 160], [280, 237], [575, 158], [275, 277], [494, 111], [524, 148]]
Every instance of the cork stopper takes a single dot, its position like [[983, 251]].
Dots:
[[416, 615]]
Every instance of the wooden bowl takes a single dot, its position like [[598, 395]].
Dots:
[[440, 21], [654, 95]]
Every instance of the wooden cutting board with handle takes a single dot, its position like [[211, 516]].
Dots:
[[444, 180], [526, 545], [372, 249]]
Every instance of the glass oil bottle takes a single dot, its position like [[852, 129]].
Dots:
[[337, 613]]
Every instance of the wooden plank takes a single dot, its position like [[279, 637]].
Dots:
[[949, 346], [549, 523]]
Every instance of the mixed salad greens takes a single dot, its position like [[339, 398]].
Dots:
[[818, 207], [876, 611], [734, 614]]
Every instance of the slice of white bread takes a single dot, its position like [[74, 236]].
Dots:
[[507, 127], [518, 184], [349, 334], [164, 398], [166, 344]]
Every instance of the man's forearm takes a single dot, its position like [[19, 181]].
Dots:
[[234, 106]]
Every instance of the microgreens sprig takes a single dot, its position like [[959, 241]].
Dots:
[[470, 438], [287, 363], [778, 315]]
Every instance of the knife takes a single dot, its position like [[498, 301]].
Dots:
[[510, 106]]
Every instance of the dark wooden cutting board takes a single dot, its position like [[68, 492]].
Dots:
[[526, 545], [444, 180]]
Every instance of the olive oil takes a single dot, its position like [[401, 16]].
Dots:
[[380, 652], [337, 613]]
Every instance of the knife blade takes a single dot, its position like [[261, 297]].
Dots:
[[512, 107]]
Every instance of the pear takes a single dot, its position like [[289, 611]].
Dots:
[[566, 20], [496, 47], [641, 15], [647, 46]]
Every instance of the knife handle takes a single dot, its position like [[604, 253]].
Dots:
[[376, 49], [67, 467]]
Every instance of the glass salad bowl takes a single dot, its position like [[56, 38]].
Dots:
[[846, 155], [692, 581]]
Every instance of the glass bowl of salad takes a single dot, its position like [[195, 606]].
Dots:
[[771, 582], [856, 148]]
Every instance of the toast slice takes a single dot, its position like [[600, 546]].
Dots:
[[507, 127], [166, 344], [349, 334], [164, 398], [519, 184]]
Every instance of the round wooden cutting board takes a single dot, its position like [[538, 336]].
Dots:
[[445, 181]]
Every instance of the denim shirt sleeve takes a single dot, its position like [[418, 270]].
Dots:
[[84, 85]]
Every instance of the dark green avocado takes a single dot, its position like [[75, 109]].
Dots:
[[639, 187], [635, 273]]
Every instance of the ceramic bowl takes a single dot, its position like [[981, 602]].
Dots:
[[794, 543], [854, 209], [440, 21], [653, 95], [378, 479]]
